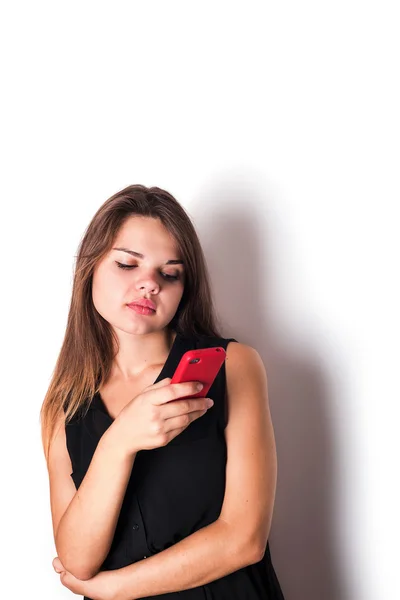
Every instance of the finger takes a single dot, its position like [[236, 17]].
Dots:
[[177, 391], [57, 565], [161, 383], [194, 408], [175, 423]]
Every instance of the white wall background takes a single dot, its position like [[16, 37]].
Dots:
[[276, 125]]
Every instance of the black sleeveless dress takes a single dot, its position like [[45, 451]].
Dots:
[[174, 490]]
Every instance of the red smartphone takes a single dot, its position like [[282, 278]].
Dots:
[[200, 365]]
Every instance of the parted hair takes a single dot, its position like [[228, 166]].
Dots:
[[89, 345]]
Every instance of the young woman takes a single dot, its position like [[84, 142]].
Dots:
[[152, 495]]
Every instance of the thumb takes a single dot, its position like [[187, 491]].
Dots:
[[57, 565]]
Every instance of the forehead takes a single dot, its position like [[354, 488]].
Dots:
[[146, 234]]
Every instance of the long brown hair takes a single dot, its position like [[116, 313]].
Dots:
[[87, 352]]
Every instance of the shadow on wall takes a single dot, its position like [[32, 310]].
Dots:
[[302, 538]]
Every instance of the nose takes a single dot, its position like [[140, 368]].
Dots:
[[148, 284]]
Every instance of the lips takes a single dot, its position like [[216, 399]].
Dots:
[[143, 302]]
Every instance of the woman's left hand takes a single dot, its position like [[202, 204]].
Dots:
[[103, 586]]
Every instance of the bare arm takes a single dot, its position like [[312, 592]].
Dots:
[[239, 536], [206, 555], [84, 520], [85, 531]]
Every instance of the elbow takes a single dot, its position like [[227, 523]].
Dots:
[[84, 576], [247, 553], [254, 548], [258, 553], [75, 563], [79, 571], [245, 549], [76, 566], [257, 540], [255, 553]]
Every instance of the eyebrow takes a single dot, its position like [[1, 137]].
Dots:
[[138, 255]]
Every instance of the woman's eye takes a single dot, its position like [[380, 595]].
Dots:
[[123, 266], [166, 275]]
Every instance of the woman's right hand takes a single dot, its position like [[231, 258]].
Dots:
[[158, 414]]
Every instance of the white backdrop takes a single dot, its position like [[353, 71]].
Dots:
[[276, 125]]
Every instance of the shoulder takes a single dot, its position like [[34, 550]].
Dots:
[[242, 358], [246, 380]]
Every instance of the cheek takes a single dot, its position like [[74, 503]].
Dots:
[[178, 293], [107, 289]]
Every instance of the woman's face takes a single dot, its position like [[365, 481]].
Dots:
[[149, 277]]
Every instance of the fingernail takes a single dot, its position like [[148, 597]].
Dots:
[[199, 386], [210, 402]]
